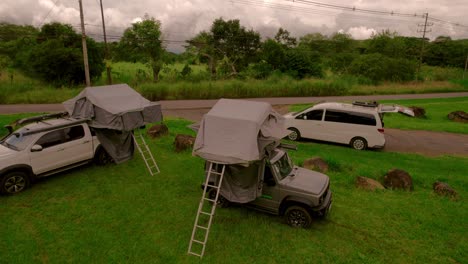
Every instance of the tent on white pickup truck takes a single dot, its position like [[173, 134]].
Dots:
[[114, 111]]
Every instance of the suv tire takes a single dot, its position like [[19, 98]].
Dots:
[[298, 216], [14, 182], [101, 157], [222, 202]]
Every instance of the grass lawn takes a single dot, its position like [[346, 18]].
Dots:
[[120, 214], [436, 119]]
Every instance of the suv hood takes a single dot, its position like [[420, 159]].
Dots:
[[6, 152], [304, 180]]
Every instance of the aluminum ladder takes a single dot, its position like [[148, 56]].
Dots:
[[206, 209], [145, 152]]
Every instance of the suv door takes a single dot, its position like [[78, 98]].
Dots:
[[60, 148], [309, 124], [270, 198]]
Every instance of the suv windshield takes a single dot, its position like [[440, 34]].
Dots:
[[17, 143], [283, 166]]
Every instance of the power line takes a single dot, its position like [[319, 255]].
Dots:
[[48, 13]]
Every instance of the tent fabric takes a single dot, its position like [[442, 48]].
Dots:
[[238, 132], [116, 107], [114, 112]]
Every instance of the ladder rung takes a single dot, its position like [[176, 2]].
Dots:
[[213, 186], [199, 242], [215, 172], [198, 255], [205, 213], [202, 227], [211, 200]]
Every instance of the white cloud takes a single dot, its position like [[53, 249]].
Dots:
[[360, 32]]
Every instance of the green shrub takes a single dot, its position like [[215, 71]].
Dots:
[[378, 67]]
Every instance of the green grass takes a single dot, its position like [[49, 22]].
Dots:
[[120, 214], [436, 119], [198, 85]]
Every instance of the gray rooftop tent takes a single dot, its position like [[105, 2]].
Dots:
[[114, 111], [239, 133]]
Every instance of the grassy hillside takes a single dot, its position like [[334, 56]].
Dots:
[[120, 214]]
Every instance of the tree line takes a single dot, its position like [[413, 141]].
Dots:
[[229, 50]]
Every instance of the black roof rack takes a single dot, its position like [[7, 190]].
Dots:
[[51, 127], [366, 104], [29, 120]]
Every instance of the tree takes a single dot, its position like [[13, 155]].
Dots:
[[57, 56], [283, 37], [273, 53], [387, 43], [144, 38], [228, 42]]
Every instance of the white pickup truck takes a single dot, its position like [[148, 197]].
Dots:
[[47, 145]]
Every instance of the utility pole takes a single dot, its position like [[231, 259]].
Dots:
[[108, 68], [423, 40], [85, 49]]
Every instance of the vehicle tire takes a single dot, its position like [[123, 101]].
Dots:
[[14, 182], [101, 157], [295, 135], [358, 143], [222, 202], [298, 216]]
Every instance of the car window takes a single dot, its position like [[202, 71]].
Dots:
[[315, 115], [61, 136], [350, 117]]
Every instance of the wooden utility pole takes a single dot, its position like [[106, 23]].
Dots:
[[108, 68], [85, 49], [423, 40]]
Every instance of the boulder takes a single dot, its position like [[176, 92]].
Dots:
[[398, 179], [183, 142], [443, 189], [316, 164], [458, 116], [368, 184], [419, 112], [157, 131]]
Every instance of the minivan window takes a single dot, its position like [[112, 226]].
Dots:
[[61, 136], [350, 117], [311, 115]]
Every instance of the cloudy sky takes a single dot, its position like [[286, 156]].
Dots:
[[182, 19]]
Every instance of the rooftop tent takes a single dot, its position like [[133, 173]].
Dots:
[[114, 110], [238, 131], [116, 107]]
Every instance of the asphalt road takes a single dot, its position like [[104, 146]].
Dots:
[[411, 141]]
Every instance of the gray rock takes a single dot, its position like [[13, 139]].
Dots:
[[368, 184], [443, 189], [316, 164], [157, 131], [183, 142], [398, 179]]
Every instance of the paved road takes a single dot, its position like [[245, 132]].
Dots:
[[422, 142]]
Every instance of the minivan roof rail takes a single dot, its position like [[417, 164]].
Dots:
[[366, 104]]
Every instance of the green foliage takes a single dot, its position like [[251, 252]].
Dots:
[[284, 38], [378, 67], [273, 53], [388, 44], [143, 38], [301, 63]]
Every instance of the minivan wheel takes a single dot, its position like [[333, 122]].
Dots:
[[14, 182], [294, 135], [358, 143], [298, 216]]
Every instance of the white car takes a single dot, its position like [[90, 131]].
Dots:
[[359, 124], [45, 147]]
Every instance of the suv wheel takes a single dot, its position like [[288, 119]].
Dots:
[[14, 182], [358, 143], [298, 216], [222, 202], [102, 158], [295, 135]]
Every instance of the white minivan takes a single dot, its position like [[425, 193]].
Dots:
[[359, 124]]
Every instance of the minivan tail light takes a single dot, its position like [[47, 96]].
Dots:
[[381, 130]]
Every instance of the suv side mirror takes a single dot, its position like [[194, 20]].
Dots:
[[36, 148]]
